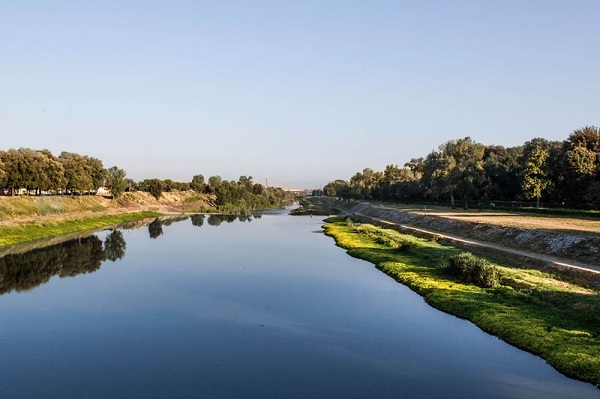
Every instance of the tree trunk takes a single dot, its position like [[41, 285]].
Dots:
[[452, 200], [537, 203]]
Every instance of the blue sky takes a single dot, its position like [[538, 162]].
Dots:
[[296, 92]]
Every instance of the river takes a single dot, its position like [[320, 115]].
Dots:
[[221, 307]]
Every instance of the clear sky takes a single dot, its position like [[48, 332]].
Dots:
[[296, 92]]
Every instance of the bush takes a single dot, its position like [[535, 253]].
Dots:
[[471, 269]]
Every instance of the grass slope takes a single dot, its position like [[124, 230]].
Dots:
[[532, 310], [32, 231]]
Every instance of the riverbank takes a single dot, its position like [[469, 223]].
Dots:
[[30, 231], [572, 238], [28, 218], [33, 208], [533, 310]]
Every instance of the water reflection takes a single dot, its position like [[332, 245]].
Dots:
[[23, 272], [115, 246], [155, 228], [216, 220], [27, 270], [197, 220]]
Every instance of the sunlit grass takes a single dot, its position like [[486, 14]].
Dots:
[[36, 230], [533, 310]]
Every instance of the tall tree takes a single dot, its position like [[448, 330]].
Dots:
[[502, 169], [459, 168], [77, 172], [155, 188], [115, 181], [198, 183], [583, 161], [535, 177], [2, 172]]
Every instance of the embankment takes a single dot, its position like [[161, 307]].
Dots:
[[578, 248], [26, 219], [25, 208]]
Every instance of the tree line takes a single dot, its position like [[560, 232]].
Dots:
[[25, 171], [561, 173]]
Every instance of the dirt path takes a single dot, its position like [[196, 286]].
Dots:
[[557, 262]]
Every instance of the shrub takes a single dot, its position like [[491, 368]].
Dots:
[[471, 269]]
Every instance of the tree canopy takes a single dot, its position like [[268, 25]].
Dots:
[[562, 173]]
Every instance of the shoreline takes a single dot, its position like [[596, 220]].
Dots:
[[32, 231]]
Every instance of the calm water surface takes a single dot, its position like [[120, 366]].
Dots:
[[264, 308]]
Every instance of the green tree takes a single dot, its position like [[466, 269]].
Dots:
[[115, 181], [459, 168], [155, 188], [198, 183], [95, 170], [583, 164], [77, 172], [535, 178], [502, 170], [214, 182], [2, 172]]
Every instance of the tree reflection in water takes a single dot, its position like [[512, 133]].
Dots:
[[198, 220], [155, 228], [25, 271], [115, 246], [22, 272], [216, 220]]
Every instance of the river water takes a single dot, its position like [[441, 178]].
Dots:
[[263, 307]]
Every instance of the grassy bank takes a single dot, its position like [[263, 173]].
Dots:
[[533, 310], [322, 206], [15, 234]]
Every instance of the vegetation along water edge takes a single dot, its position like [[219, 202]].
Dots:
[[24, 232], [534, 310]]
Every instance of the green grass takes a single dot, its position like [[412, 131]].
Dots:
[[322, 206], [10, 235], [530, 309]]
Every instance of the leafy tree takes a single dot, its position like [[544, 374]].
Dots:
[[583, 164], [115, 181], [502, 169], [155, 188], [2, 172], [535, 178], [459, 168], [365, 185], [77, 172], [198, 183], [214, 182], [52, 172], [95, 170], [131, 185]]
